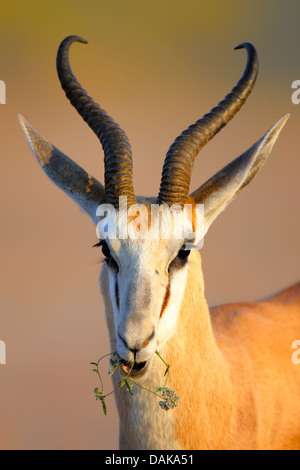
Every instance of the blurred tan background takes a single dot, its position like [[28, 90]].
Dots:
[[156, 67]]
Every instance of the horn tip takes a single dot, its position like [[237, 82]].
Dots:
[[278, 126], [245, 45], [73, 38]]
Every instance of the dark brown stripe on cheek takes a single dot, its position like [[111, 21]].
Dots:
[[117, 293], [166, 299]]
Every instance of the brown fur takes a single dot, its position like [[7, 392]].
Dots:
[[166, 299]]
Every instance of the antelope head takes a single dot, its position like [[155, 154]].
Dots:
[[144, 278]]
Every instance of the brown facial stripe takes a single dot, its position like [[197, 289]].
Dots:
[[192, 202], [117, 293], [166, 299]]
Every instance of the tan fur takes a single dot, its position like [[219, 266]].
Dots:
[[232, 368]]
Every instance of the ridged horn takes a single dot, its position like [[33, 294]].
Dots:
[[177, 169], [117, 150]]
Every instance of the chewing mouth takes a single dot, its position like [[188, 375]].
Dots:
[[132, 368]]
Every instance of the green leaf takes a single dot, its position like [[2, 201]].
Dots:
[[104, 406], [129, 387]]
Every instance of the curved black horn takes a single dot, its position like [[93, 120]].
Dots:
[[117, 150], [177, 169]]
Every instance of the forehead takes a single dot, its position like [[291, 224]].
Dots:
[[146, 224]]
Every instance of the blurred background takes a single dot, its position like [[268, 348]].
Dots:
[[155, 67]]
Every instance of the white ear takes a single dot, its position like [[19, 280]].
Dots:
[[225, 185], [85, 190]]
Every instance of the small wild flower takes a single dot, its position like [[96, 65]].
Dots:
[[114, 363], [169, 398]]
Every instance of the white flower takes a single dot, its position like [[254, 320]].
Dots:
[[170, 399]]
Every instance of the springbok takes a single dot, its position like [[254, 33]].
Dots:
[[230, 365]]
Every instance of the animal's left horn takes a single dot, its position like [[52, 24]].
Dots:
[[176, 175], [117, 150]]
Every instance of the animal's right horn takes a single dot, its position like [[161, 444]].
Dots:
[[117, 150]]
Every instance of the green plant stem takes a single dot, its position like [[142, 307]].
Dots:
[[97, 366], [99, 375], [128, 380], [167, 369]]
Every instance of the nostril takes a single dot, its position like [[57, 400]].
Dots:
[[124, 342], [137, 347], [133, 350]]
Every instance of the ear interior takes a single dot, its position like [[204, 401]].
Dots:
[[81, 187]]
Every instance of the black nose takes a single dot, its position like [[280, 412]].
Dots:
[[137, 347]]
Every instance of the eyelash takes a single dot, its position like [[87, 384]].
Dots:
[[180, 260], [107, 255]]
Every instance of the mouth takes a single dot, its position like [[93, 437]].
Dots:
[[133, 369]]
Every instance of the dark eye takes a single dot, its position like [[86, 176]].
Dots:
[[105, 251], [183, 254], [108, 257], [180, 259]]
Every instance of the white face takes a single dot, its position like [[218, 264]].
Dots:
[[147, 279]]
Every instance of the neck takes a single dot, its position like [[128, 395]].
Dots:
[[198, 372]]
